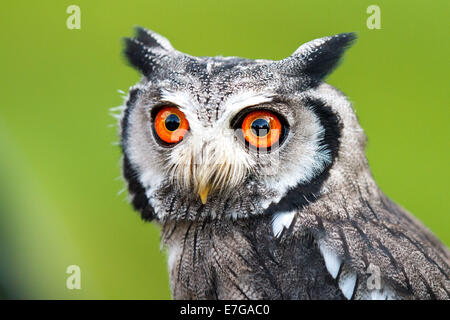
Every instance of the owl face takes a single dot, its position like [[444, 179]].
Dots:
[[222, 137]]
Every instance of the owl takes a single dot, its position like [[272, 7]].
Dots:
[[256, 172]]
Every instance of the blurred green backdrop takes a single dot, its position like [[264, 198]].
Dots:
[[59, 167]]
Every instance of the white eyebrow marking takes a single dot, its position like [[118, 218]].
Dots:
[[242, 100], [181, 99]]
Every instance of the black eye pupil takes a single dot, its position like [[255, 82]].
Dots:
[[172, 122], [260, 127]]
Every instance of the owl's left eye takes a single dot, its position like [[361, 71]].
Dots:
[[261, 129], [170, 124]]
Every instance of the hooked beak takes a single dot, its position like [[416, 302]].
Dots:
[[203, 193]]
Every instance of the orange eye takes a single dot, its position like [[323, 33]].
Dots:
[[261, 128], [171, 125]]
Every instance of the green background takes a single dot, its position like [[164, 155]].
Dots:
[[59, 165]]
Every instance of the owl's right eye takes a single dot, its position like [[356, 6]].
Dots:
[[170, 124]]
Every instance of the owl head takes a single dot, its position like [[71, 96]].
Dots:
[[228, 137]]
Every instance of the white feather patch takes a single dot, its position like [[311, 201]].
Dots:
[[243, 99], [347, 284], [382, 294], [332, 260], [280, 221], [173, 253]]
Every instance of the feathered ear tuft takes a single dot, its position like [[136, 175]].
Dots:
[[152, 39], [318, 58], [146, 49]]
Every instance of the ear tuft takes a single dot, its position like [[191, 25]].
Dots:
[[138, 56], [152, 39], [318, 58], [146, 49]]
